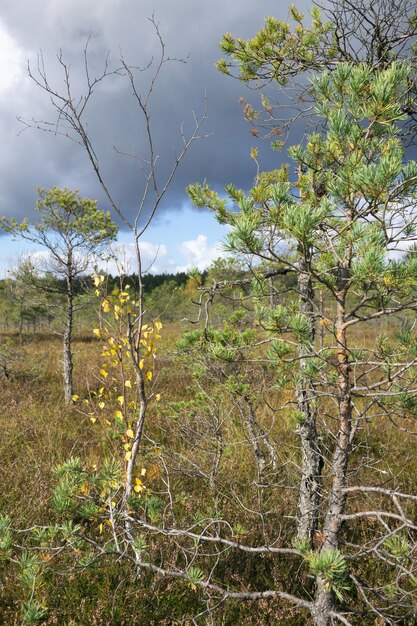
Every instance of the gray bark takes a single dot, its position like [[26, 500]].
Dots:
[[68, 361], [337, 499], [311, 457], [20, 323], [253, 440], [323, 606]]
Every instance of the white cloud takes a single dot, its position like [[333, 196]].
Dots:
[[158, 259], [121, 258], [11, 62], [198, 253]]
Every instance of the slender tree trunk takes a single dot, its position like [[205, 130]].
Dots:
[[323, 605], [134, 335], [311, 457], [271, 292], [337, 499], [248, 419], [321, 311], [21, 323], [68, 364], [143, 404]]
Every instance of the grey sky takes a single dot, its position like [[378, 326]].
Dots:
[[188, 27]]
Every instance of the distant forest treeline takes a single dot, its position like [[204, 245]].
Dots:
[[150, 281], [37, 306]]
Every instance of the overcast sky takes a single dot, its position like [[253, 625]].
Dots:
[[183, 235]]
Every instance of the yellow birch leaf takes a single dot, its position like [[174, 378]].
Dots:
[[97, 332], [128, 384], [126, 446], [75, 397], [120, 400], [118, 414], [104, 373], [96, 281], [158, 325], [93, 419], [128, 455], [100, 528], [101, 405], [141, 363], [105, 306], [143, 471], [149, 375], [130, 433], [158, 396]]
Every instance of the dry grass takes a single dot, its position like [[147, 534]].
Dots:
[[37, 431]]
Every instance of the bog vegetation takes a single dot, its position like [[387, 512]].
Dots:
[[238, 447]]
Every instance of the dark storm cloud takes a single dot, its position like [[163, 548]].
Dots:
[[188, 27]]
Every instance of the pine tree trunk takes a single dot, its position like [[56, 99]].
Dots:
[[68, 364], [323, 606], [271, 292], [311, 457], [20, 324], [337, 499]]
